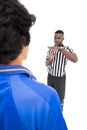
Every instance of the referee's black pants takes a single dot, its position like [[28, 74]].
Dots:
[[58, 83]]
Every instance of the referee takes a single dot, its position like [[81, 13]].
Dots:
[[56, 60]]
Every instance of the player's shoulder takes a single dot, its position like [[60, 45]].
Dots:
[[46, 91]]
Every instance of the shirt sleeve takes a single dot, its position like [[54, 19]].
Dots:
[[48, 54], [69, 49], [58, 122], [52, 115]]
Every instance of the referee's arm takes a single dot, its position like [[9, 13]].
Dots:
[[71, 56]]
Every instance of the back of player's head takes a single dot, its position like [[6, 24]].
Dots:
[[15, 23]]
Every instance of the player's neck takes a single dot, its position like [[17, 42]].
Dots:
[[17, 61]]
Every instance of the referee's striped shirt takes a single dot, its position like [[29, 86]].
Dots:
[[57, 66]]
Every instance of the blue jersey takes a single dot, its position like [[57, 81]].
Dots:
[[26, 104]]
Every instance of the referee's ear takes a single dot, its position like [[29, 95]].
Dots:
[[63, 39]]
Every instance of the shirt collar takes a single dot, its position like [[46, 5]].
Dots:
[[15, 69]]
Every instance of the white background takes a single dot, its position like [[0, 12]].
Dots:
[[69, 16]]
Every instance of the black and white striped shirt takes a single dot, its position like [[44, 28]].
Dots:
[[57, 66]]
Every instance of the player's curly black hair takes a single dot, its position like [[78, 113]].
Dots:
[[15, 23]]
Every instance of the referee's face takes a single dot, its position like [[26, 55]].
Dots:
[[58, 38]]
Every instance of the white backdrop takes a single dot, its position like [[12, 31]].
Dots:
[[70, 16]]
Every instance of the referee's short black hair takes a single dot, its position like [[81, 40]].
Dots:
[[15, 23], [59, 31]]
